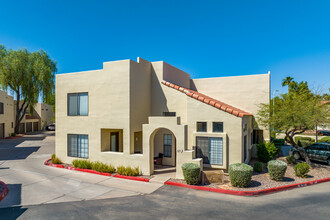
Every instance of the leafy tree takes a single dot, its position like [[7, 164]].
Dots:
[[29, 75], [287, 81], [294, 113]]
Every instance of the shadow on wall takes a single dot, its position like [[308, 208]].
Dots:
[[157, 96]]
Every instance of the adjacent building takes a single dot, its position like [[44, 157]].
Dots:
[[133, 113], [42, 115]]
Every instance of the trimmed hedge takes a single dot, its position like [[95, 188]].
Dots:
[[301, 169], [298, 138], [290, 160], [324, 139], [128, 171], [240, 174], [191, 173], [276, 169], [258, 167], [56, 160]]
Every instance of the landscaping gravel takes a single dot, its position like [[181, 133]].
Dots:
[[262, 181]]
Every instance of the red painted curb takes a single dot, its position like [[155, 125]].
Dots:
[[131, 178], [4, 191], [249, 193], [53, 165], [18, 136]]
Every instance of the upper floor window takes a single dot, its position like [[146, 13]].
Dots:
[[169, 113], [217, 126], [1, 108], [201, 126], [78, 104]]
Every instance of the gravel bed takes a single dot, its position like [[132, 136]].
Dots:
[[262, 181]]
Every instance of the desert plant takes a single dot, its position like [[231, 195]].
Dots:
[[191, 173], [102, 167], [55, 160], [83, 164], [128, 171], [276, 169], [240, 174], [301, 169], [266, 151], [258, 167], [290, 160]]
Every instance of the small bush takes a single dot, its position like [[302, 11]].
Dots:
[[240, 174], [266, 151], [290, 160], [276, 169], [324, 139], [82, 164], [102, 167], [304, 143], [55, 160], [301, 169], [258, 167], [13, 134], [191, 173], [128, 171], [278, 142]]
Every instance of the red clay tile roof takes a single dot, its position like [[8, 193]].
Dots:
[[208, 100], [31, 117]]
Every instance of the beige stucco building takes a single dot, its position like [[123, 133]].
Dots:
[[131, 113], [43, 115]]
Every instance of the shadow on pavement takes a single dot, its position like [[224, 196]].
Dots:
[[11, 213], [13, 197]]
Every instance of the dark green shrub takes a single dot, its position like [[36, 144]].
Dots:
[[258, 167], [276, 169], [102, 167], [240, 174], [13, 134], [324, 139], [290, 160], [82, 164], [55, 160], [304, 143], [278, 142], [266, 151], [301, 169], [191, 173], [128, 171], [273, 134]]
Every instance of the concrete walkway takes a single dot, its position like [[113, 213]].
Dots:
[[30, 182]]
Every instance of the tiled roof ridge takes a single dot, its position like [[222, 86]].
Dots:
[[208, 100]]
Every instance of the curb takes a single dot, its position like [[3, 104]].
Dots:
[[249, 193], [18, 136], [4, 191], [141, 179], [131, 178]]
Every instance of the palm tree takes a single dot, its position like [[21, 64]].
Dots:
[[287, 81]]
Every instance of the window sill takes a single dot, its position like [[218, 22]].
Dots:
[[112, 152]]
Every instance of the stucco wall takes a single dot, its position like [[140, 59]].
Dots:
[[8, 117], [46, 114], [244, 92]]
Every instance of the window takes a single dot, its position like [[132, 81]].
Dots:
[[77, 104], [210, 149], [1, 108], [167, 145], [114, 141], [12, 125], [169, 114], [217, 126], [78, 145], [258, 136], [201, 126]]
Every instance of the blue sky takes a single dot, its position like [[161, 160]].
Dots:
[[203, 38]]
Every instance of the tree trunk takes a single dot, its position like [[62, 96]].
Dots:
[[300, 149], [316, 135], [17, 121]]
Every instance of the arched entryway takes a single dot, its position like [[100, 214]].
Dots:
[[163, 149]]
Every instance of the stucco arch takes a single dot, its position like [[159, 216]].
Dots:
[[180, 132]]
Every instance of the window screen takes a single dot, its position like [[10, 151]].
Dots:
[[167, 145], [210, 149], [78, 145], [217, 126], [201, 126], [77, 104]]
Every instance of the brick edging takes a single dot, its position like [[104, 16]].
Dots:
[[136, 178], [4, 192], [249, 193]]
